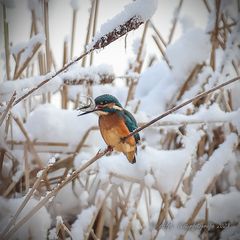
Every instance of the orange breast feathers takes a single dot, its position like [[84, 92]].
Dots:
[[113, 128]]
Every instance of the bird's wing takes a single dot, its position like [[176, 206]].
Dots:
[[130, 123]]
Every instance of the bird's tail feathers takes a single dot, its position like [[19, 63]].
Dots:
[[131, 157]]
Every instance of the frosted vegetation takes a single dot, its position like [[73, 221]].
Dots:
[[54, 182]]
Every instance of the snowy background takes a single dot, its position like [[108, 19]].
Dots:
[[186, 182]]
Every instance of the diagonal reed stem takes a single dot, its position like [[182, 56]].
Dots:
[[51, 77], [174, 109]]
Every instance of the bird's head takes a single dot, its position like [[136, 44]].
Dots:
[[104, 105]]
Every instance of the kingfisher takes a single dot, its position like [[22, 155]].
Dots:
[[115, 123]]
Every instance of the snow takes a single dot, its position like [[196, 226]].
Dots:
[[26, 48], [231, 233], [159, 161], [218, 214], [184, 59], [159, 84], [139, 8], [31, 229], [9, 3], [80, 226], [75, 4], [56, 122], [153, 81], [36, 6], [17, 176], [203, 178], [24, 85], [149, 180], [93, 73], [73, 74]]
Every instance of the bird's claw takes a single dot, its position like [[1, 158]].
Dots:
[[110, 148]]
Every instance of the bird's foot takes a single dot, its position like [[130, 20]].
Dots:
[[110, 148]]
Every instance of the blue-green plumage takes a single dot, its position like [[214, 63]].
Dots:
[[115, 123], [130, 122], [126, 115]]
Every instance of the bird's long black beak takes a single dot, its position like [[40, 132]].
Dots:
[[86, 107], [94, 110]]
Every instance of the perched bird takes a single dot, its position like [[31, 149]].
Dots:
[[115, 123]]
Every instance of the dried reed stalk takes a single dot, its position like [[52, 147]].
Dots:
[[207, 5], [27, 61], [29, 142], [65, 52], [46, 29], [74, 19], [49, 144], [100, 222], [199, 205], [162, 51], [133, 215], [123, 212], [196, 70], [25, 201], [50, 78], [206, 229], [8, 107], [178, 185], [139, 59], [138, 67], [64, 96], [6, 41], [34, 23], [88, 31], [175, 20], [9, 188], [96, 6], [100, 204], [53, 193], [26, 169], [214, 37], [158, 34]]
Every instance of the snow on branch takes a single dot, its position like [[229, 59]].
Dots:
[[101, 74], [24, 52], [133, 15]]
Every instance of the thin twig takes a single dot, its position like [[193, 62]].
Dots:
[[174, 109]]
